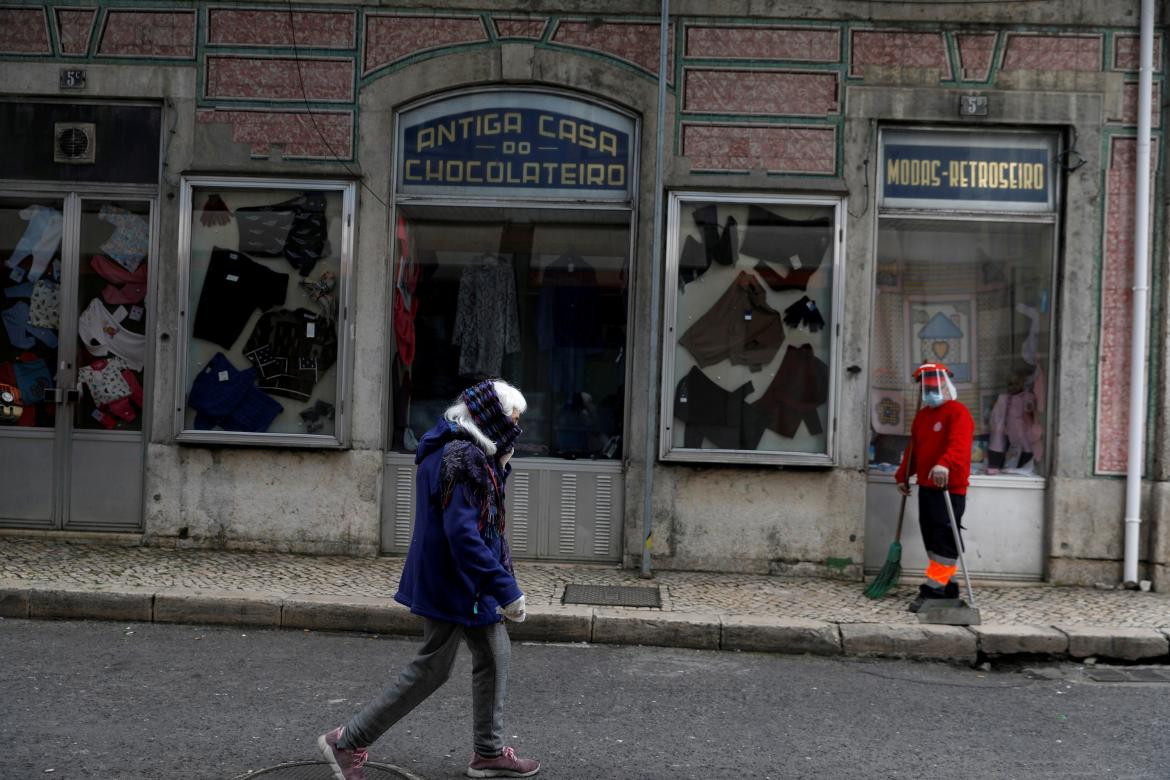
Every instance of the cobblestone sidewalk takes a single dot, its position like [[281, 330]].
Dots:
[[85, 566]]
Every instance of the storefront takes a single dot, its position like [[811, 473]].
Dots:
[[964, 274]]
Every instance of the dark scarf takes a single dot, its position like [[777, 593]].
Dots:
[[464, 462], [488, 415]]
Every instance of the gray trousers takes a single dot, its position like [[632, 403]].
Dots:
[[490, 651]]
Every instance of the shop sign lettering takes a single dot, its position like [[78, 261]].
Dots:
[[514, 149], [966, 173]]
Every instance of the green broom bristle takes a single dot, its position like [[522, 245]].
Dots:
[[888, 577]]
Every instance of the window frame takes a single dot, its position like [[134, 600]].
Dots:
[[340, 438], [667, 451]]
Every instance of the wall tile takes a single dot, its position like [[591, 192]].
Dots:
[[392, 38], [23, 31], [279, 78], [319, 135], [813, 44], [778, 149], [760, 92], [323, 29]]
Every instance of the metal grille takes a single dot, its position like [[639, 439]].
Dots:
[[1129, 675], [319, 770], [612, 595]]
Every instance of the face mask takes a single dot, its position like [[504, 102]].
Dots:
[[932, 398]]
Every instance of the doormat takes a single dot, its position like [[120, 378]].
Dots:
[[612, 595]]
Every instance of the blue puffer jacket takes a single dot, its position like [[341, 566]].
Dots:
[[451, 573]]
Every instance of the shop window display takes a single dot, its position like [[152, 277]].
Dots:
[[30, 246], [538, 298], [975, 295], [266, 267], [749, 332]]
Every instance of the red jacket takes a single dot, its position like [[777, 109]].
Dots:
[[941, 436]]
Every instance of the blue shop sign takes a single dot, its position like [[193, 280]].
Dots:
[[1009, 177], [505, 147]]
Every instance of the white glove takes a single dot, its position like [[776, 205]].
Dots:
[[514, 611], [938, 475], [507, 456]]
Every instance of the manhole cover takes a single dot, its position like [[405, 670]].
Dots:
[[319, 770], [1129, 675], [612, 595]]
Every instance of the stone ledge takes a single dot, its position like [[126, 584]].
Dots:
[[666, 629], [349, 613], [909, 641], [230, 607], [1127, 644], [1002, 639], [571, 623], [13, 602], [780, 635], [132, 604]]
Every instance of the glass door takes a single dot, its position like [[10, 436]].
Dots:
[[75, 315]]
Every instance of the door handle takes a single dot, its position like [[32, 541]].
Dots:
[[63, 395]]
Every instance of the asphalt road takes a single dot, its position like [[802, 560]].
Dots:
[[119, 701]]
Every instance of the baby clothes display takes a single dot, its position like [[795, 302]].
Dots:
[[124, 286], [235, 285], [103, 334], [800, 387], [224, 396], [131, 238], [712, 413], [487, 322], [44, 305], [40, 240], [1014, 424], [21, 334], [740, 326], [114, 388], [32, 378], [291, 350]]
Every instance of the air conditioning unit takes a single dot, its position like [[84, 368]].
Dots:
[[74, 142]]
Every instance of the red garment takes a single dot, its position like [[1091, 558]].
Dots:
[[941, 436]]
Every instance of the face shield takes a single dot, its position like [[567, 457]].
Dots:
[[935, 382]]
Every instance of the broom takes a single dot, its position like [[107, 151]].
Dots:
[[887, 578]]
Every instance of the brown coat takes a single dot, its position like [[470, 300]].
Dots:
[[740, 326]]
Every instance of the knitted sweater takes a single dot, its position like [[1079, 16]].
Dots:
[[941, 436]]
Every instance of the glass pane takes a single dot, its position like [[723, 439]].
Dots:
[[262, 345], [975, 296], [536, 298], [111, 324], [753, 326], [30, 243]]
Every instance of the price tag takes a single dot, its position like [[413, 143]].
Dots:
[[136, 313], [97, 415], [223, 376], [17, 274], [232, 278], [747, 315], [794, 261], [811, 306], [311, 330]]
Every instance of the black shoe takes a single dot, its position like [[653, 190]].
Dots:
[[951, 591], [926, 593]]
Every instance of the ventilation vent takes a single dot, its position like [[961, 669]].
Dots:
[[74, 142]]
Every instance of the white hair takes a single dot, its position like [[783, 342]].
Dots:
[[511, 401]]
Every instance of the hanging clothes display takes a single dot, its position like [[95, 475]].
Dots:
[[796, 245], [740, 327], [130, 241], [102, 334], [235, 285], [225, 397], [566, 321], [291, 350], [801, 386], [40, 241], [804, 314], [487, 322], [712, 413], [297, 228], [124, 286]]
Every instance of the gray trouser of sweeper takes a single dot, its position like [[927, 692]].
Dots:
[[490, 651]]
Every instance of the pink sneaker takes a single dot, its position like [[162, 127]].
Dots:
[[507, 764], [346, 764]]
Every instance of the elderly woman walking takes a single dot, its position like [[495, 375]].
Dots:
[[458, 578]]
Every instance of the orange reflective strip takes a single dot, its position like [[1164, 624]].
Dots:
[[939, 573]]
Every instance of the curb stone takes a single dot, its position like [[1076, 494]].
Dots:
[[1002, 639], [125, 604], [635, 627], [780, 635], [909, 641], [1127, 644], [13, 602], [572, 623], [232, 607], [349, 613]]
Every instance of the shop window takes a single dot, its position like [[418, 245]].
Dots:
[[265, 277], [750, 336], [537, 297], [975, 295], [964, 276]]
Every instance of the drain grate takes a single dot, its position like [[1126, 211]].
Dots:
[[319, 770], [1129, 675], [612, 595]]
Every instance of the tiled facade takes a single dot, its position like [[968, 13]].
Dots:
[[130, 33]]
